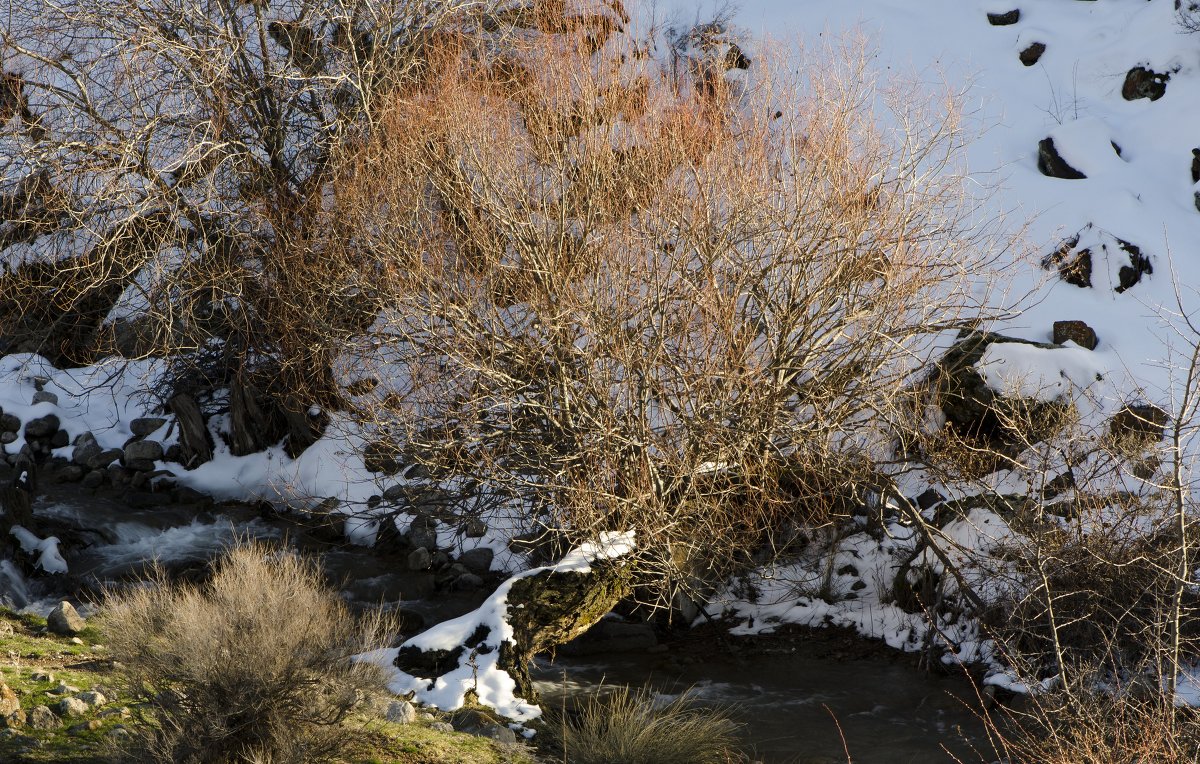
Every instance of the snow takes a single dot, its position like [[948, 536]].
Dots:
[[48, 557], [479, 671]]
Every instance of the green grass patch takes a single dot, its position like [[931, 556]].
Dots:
[[386, 743]]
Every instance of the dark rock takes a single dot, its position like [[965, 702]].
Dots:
[[735, 58], [858, 586], [1196, 165], [93, 480], [928, 498], [847, 570], [1052, 164], [499, 733], [394, 492], [468, 582], [41, 396], [1141, 422], [1139, 264], [374, 501], [420, 559], [475, 528], [1141, 82], [1004, 19], [147, 499], [1074, 266], [65, 620], [105, 458], [7, 437], [145, 426], [477, 560], [423, 533], [1033, 53], [9, 423], [1075, 331], [612, 635], [42, 427], [60, 439], [72, 473]]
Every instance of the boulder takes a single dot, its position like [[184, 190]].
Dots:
[[65, 620], [68, 707], [92, 698], [1075, 331], [105, 458], [145, 426], [86, 449]]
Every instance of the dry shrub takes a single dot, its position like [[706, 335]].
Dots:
[[624, 300], [632, 727], [1134, 724], [253, 665]]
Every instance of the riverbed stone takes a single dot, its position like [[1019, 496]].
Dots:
[[105, 458], [93, 480], [72, 473], [419, 559], [477, 560], [7, 437], [85, 451], [65, 620], [42, 427], [146, 425], [468, 582], [42, 718], [142, 454]]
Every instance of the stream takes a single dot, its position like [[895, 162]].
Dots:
[[787, 698]]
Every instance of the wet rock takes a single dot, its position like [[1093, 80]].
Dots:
[[477, 560], [400, 712], [420, 559], [1141, 82], [145, 426], [42, 718], [1033, 53], [72, 473], [93, 480], [1051, 163], [1075, 331], [1007, 18], [847, 570], [42, 396], [147, 499], [42, 427], [65, 620]]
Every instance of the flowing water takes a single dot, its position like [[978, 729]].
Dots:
[[793, 704]]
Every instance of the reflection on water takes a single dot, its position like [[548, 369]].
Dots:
[[890, 713]]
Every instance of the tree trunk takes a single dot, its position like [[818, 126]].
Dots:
[[193, 435]]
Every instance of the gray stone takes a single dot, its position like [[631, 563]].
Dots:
[[441, 727], [468, 582], [60, 439], [144, 426], [10, 423], [105, 458], [477, 560], [92, 698], [65, 620], [42, 427], [475, 528], [42, 718], [394, 492], [70, 707], [85, 452], [41, 676], [64, 689], [419, 559], [41, 396], [400, 712], [72, 473], [7, 437], [141, 453]]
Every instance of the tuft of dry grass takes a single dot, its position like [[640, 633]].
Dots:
[[254, 665]]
